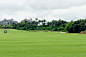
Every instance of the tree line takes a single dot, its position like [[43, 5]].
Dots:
[[54, 25]]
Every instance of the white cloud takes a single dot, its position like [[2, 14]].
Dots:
[[43, 9]]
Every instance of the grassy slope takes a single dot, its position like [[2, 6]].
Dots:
[[17, 43]]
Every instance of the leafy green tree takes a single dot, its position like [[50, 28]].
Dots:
[[75, 27], [8, 23]]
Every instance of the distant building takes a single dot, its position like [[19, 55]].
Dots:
[[6, 22]]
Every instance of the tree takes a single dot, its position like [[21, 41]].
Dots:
[[69, 27], [25, 21], [36, 19], [44, 23], [39, 21], [8, 23], [74, 27]]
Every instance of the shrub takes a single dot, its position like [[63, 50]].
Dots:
[[82, 32], [63, 31]]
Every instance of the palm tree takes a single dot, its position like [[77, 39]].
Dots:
[[39, 21], [36, 19], [44, 22]]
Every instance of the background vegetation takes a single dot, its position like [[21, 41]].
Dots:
[[54, 25]]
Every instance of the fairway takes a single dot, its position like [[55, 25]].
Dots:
[[20, 43]]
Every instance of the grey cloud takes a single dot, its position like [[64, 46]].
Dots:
[[54, 4], [68, 16], [12, 5]]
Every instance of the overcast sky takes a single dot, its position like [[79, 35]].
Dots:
[[43, 9]]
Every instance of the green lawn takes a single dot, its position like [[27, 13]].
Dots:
[[18, 43]]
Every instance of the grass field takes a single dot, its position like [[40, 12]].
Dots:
[[18, 43]]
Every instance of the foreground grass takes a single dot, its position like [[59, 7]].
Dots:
[[18, 43]]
